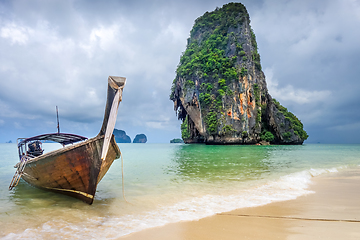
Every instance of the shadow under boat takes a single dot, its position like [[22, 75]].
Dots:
[[78, 167]]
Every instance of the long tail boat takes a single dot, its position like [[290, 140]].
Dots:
[[78, 167]]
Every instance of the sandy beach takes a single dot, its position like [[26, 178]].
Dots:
[[331, 212]]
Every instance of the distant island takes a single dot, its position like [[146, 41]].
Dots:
[[121, 137], [220, 92], [176, 140], [9, 141], [140, 138]]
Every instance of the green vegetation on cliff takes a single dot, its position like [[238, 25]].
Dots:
[[220, 91], [207, 60], [185, 134], [205, 57], [176, 140], [267, 136], [295, 122], [224, 18]]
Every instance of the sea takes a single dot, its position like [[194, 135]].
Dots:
[[166, 183]]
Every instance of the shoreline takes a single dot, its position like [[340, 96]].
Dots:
[[332, 212]]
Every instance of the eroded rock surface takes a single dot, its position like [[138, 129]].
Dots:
[[121, 137], [140, 138], [220, 91]]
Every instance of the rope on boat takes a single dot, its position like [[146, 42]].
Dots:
[[19, 172], [122, 177]]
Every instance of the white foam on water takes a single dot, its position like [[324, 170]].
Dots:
[[284, 188]]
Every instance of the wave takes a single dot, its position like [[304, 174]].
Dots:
[[284, 188]]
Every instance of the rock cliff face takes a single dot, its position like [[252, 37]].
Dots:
[[121, 137], [176, 140], [220, 91], [140, 138]]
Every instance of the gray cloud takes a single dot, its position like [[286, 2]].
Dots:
[[311, 51], [61, 52]]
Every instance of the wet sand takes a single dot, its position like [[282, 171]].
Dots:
[[332, 212]]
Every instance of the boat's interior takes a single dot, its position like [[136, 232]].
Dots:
[[35, 148]]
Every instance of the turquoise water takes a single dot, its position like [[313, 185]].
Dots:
[[166, 183]]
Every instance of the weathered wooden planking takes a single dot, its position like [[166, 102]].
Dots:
[[77, 169], [74, 170]]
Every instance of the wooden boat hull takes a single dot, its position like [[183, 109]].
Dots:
[[77, 169], [73, 170]]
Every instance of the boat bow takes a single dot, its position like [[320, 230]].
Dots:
[[115, 89], [78, 167]]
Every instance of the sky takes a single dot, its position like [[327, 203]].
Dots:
[[61, 52]]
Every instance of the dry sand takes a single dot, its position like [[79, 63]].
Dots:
[[332, 212]]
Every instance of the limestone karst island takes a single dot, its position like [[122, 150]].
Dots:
[[220, 91]]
